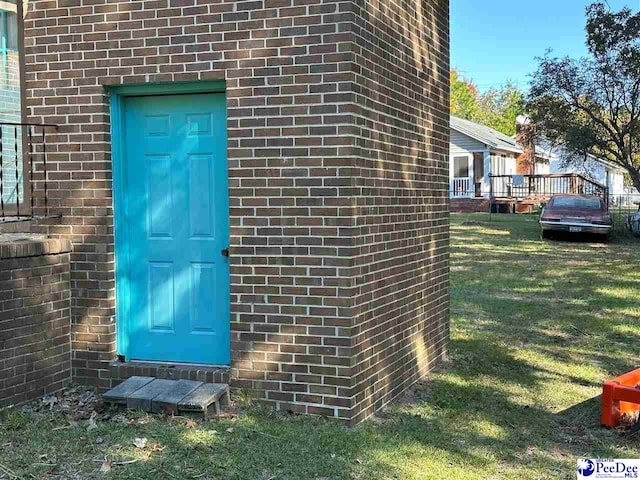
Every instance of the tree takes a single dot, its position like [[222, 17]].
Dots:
[[496, 108], [464, 97], [502, 106], [592, 105]]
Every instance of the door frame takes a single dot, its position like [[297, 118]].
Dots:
[[469, 177], [117, 95]]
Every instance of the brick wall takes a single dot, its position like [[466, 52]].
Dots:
[[401, 228], [35, 349], [302, 168]]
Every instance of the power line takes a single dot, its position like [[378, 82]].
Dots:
[[501, 84]]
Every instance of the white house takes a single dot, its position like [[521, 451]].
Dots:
[[478, 151], [598, 169]]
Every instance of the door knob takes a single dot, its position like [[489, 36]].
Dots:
[[225, 252]]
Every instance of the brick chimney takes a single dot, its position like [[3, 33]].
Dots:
[[526, 138]]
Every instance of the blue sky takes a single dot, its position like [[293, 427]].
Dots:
[[493, 41]]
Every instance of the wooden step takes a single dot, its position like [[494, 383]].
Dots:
[[210, 397], [169, 396]]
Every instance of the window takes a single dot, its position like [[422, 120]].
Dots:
[[576, 202], [9, 49], [460, 167], [8, 30], [10, 104]]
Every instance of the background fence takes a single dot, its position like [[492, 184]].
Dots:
[[621, 207]]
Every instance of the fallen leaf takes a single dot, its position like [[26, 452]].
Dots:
[[140, 442], [91, 423], [212, 432], [358, 461], [191, 423], [155, 447], [120, 419], [229, 430], [106, 466], [51, 400], [99, 440]]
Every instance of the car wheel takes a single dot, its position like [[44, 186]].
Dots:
[[546, 235]]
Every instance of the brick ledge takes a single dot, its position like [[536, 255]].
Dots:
[[29, 245]]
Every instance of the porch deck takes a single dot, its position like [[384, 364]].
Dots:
[[538, 188], [516, 193]]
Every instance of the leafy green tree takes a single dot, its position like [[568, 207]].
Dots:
[[592, 104], [500, 107], [496, 108], [464, 97]]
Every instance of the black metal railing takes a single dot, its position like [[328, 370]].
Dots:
[[24, 181]]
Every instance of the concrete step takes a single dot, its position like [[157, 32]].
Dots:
[[169, 396]]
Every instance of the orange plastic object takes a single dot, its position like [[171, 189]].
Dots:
[[619, 397]]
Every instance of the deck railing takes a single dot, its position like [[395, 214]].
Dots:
[[460, 187], [526, 187], [24, 171]]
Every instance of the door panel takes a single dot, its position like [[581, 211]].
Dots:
[[177, 226], [159, 195]]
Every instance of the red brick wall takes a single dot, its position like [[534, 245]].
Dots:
[[35, 348], [466, 205], [401, 230], [293, 76]]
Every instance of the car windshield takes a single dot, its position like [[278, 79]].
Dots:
[[576, 202]]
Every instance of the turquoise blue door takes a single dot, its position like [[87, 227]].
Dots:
[[177, 228]]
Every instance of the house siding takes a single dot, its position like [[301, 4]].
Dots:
[[461, 143], [595, 170], [600, 172], [299, 145], [616, 183], [502, 163]]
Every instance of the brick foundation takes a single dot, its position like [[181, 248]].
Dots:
[[469, 205], [123, 370], [35, 353], [338, 117]]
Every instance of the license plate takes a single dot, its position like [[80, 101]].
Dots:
[[575, 229]]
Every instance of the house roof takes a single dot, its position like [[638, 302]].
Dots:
[[486, 135], [500, 141]]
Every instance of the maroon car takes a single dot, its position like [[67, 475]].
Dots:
[[576, 214]]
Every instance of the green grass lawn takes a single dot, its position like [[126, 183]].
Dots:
[[536, 328]]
